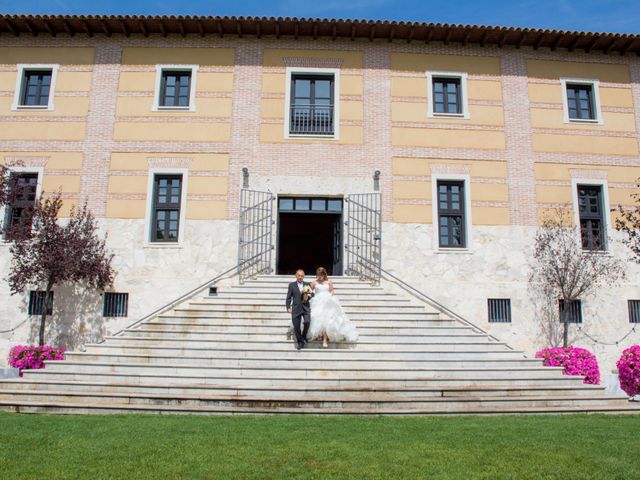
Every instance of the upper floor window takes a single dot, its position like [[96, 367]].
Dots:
[[591, 214], [581, 101], [451, 214], [167, 196], [312, 105], [175, 88], [447, 94], [34, 87], [18, 213]]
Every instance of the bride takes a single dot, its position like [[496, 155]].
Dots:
[[328, 320]]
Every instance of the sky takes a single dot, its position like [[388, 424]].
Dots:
[[619, 16]]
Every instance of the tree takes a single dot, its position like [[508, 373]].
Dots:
[[562, 270], [54, 253], [628, 222]]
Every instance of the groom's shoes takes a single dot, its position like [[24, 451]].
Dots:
[[299, 345]]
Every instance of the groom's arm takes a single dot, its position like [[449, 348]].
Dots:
[[289, 298]]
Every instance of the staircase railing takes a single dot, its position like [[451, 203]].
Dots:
[[228, 273], [435, 304]]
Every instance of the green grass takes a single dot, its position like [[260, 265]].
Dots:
[[290, 447]]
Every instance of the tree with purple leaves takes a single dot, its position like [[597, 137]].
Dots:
[[51, 253]]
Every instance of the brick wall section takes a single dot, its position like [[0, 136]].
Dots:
[[634, 73], [102, 114]]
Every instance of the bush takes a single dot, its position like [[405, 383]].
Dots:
[[576, 361], [629, 370], [26, 357]]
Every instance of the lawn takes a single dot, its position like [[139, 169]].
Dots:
[[244, 447]]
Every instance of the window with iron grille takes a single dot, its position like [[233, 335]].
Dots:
[[22, 198], [634, 311], [175, 88], [37, 302], [581, 102], [499, 310], [36, 87], [167, 194], [447, 98], [451, 214], [115, 304], [575, 311], [592, 229], [312, 105]]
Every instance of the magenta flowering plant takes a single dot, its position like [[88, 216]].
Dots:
[[629, 370], [26, 357], [574, 360]]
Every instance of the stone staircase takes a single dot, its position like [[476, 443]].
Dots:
[[230, 354]]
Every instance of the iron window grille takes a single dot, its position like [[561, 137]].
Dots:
[[575, 311], [451, 214], [115, 304], [634, 311], [447, 98], [175, 88], [580, 102], [19, 211], [167, 194], [312, 105], [499, 310], [36, 87], [591, 217], [37, 302]]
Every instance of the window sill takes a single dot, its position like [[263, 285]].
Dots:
[[584, 121], [454, 251], [294, 136], [21, 108], [173, 109], [162, 246], [464, 116]]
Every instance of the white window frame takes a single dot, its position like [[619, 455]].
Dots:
[[192, 89], [595, 88], [20, 80], [466, 179], [462, 76], [183, 206], [336, 95], [40, 172], [603, 184]]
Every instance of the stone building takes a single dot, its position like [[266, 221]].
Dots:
[[160, 123]]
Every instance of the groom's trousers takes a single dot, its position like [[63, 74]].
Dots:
[[304, 318]]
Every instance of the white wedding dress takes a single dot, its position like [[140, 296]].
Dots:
[[327, 316]]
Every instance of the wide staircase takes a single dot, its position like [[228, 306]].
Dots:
[[229, 353]]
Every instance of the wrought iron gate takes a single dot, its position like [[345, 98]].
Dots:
[[255, 244], [363, 236]]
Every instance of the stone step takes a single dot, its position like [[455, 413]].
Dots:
[[301, 363], [347, 303], [243, 292], [475, 344], [282, 314], [285, 320], [306, 392], [392, 310]]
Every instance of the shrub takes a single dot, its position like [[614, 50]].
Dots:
[[629, 370], [574, 360], [26, 357]]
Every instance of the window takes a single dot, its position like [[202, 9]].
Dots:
[[167, 193], [592, 231], [23, 196], [634, 311], [451, 214], [115, 304], [37, 303], [175, 86], [581, 100], [447, 94], [34, 87], [575, 311], [499, 310], [315, 205]]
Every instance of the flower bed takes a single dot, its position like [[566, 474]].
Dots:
[[629, 370], [27, 357], [574, 360]]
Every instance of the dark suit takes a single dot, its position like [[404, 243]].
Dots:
[[299, 310]]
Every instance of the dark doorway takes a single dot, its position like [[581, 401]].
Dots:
[[309, 235]]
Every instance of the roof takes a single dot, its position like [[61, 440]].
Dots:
[[373, 30]]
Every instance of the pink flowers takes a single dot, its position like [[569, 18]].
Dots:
[[33, 356], [629, 370], [576, 361]]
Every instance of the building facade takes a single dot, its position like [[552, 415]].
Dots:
[[469, 134]]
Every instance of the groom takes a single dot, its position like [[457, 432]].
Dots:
[[298, 309]]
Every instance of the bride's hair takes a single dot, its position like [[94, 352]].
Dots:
[[322, 273]]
